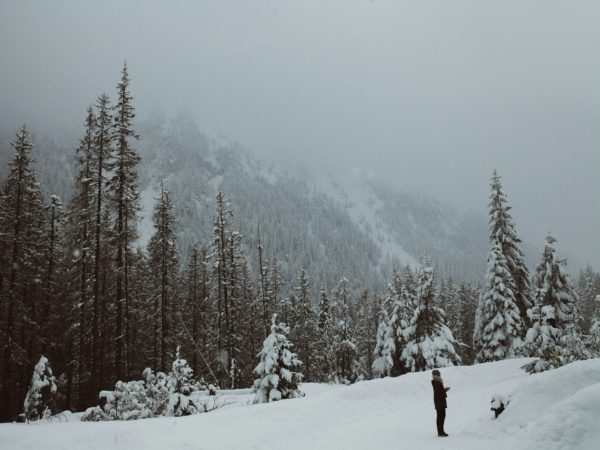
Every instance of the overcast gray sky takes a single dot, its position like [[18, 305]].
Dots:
[[431, 95]]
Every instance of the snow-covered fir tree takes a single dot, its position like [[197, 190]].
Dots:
[[554, 336], [180, 385], [380, 366], [588, 288], [347, 366], [325, 328], [543, 337], [278, 370], [39, 399], [499, 318], [429, 342], [503, 233], [402, 309]]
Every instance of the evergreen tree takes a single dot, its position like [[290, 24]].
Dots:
[[402, 308], [278, 376], [429, 342], [102, 146], [594, 336], [164, 260], [39, 399], [304, 332], [80, 225], [325, 330], [543, 337], [466, 305], [588, 288], [227, 266], [451, 306], [503, 233], [555, 314], [367, 320], [500, 320], [21, 230], [381, 366], [347, 366], [248, 326], [124, 195], [197, 304], [180, 385]]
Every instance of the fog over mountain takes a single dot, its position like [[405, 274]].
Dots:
[[427, 96]]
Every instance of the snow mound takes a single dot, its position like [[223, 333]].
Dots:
[[558, 409]]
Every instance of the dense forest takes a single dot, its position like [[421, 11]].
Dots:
[[77, 286]]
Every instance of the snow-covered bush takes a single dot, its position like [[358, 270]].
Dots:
[[156, 395], [38, 401], [277, 374]]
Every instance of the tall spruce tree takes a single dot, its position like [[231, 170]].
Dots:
[[503, 233], [124, 196], [80, 225], [164, 260], [102, 146], [226, 263], [21, 213]]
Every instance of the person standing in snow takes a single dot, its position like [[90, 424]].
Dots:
[[439, 400]]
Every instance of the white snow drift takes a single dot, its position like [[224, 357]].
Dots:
[[558, 409]]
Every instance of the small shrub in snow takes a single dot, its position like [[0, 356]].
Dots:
[[42, 388], [278, 379], [157, 395]]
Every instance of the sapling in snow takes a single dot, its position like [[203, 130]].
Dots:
[[277, 375], [42, 388]]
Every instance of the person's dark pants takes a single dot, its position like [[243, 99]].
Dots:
[[441, 417]]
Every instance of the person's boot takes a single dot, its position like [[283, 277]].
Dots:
[[443, 434]]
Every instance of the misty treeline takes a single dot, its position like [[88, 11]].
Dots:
[[76, 287]]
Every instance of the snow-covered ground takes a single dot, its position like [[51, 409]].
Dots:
[[559, 409]]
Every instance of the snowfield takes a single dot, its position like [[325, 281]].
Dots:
[[559, 409]]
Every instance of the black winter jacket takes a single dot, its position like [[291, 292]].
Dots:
[[439, 395]]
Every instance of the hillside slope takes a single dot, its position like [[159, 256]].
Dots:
[[333, 226], [552, 410]]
